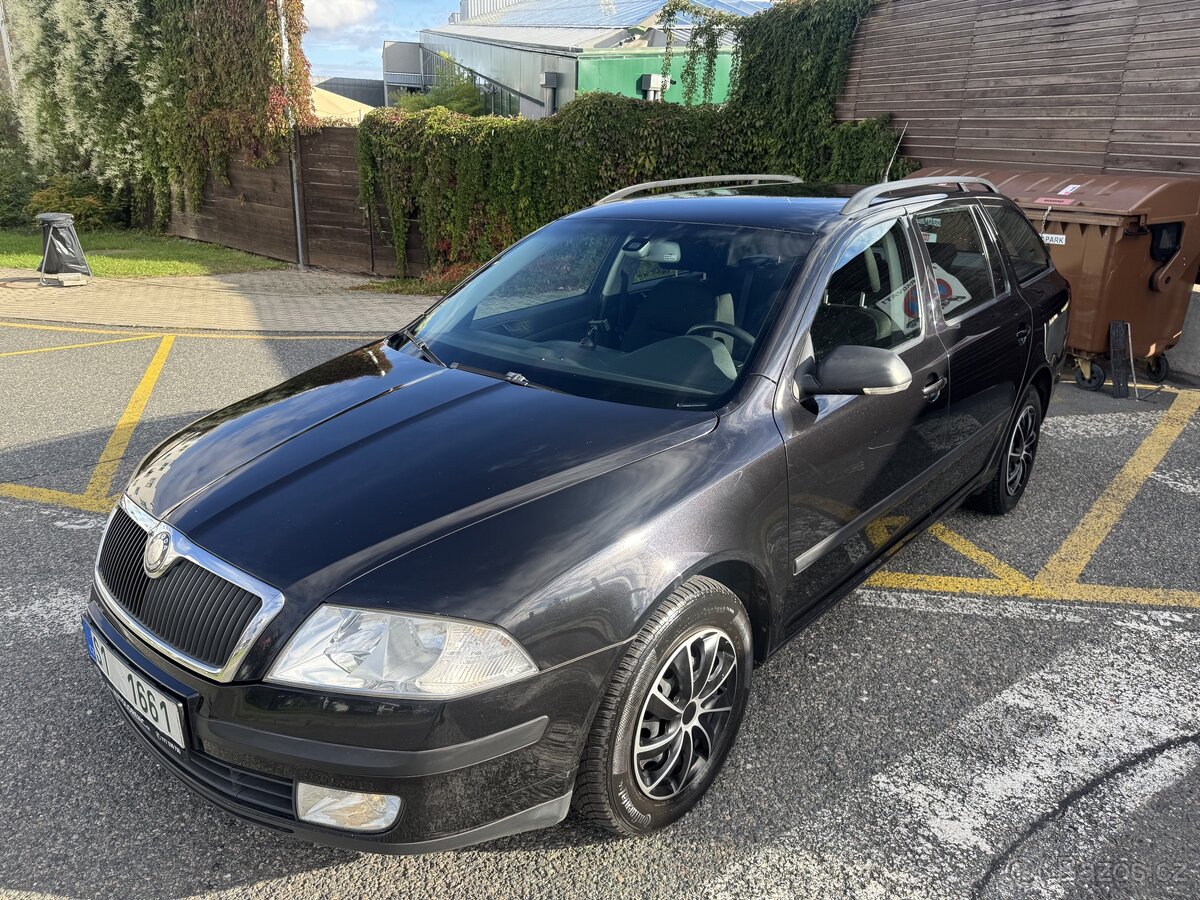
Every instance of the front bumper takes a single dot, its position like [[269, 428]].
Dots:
[[466, 771]]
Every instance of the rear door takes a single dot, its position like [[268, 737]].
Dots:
[[859, 466], [985, 325], [1041, 286]]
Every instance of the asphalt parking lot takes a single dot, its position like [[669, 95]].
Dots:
[[1010, 709]]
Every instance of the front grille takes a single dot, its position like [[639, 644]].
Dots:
[[265, 793], [190, 608]]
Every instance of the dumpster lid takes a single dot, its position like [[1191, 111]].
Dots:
[[1152, 198], [55, 219]]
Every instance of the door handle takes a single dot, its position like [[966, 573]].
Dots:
[[1023, 332], [934, 389]]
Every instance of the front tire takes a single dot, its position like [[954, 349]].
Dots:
[[670, 714], [1008, 484]]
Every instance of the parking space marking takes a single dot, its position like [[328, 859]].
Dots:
[[1072, 557], [204, 335], [100, 484], [955, 811], [124, 340], [1059, 579], [97, 497]]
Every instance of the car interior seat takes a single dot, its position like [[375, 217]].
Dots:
[[672, 307]]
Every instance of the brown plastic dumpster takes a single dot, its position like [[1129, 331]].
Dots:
[[1129, 246]]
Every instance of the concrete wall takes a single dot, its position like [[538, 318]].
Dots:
[[1185, 356], [402, 56]]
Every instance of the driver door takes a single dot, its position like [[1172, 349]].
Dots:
[[860, 467]]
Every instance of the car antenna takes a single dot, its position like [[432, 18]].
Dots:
[[888, 171]]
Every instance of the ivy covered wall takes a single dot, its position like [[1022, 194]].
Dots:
[[476, 184], [151, 95]]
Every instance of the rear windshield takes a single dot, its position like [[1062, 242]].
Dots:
[[649, 313]]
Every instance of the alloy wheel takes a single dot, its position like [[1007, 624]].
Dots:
[[685, 714], [1021, 450]]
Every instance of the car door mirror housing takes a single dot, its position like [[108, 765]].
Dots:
[[854, 369]]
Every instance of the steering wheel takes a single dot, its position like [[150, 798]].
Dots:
[[738, 334]]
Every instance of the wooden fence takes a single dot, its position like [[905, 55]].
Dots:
[[255, 211], [1093, 85]]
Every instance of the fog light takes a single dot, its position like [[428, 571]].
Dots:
[[352, 810]]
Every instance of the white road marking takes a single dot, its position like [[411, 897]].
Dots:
[[1102, 425], [1047, 869], [930, 824], [80, 523], [1186, 481], [43, 612]]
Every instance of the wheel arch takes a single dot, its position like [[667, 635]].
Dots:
[[750, 586], [1043, 381]]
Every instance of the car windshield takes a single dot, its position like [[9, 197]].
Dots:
[[664, 314]]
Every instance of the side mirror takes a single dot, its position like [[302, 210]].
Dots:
[[854, 369]]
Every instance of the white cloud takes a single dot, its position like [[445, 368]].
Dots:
[[333, 15]]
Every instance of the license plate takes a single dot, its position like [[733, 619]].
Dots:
[[149, 702]]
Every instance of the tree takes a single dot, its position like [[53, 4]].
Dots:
[[452, 88]]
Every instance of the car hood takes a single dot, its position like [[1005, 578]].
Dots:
[[375, 453]]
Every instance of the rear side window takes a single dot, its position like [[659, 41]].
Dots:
[[1020, 241], [961, 263]]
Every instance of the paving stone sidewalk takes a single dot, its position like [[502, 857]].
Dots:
[[282, 301]]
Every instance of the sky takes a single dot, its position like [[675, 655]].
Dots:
[[345, 37]]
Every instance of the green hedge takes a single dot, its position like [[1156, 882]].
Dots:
[[477, 184]]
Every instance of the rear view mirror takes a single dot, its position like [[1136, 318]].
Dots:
[[854, 369]]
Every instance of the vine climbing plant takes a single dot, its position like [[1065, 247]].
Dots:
[[153, 95]]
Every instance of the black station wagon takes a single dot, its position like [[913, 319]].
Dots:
[[524, 554]]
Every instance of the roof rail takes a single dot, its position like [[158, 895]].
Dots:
[[703, 179], [863, 199]]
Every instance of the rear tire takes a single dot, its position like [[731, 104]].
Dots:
[[658, 739], [1017, 456]]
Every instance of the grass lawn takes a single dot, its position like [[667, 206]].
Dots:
[[413, 286], [126, 254]]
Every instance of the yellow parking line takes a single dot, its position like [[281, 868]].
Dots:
[[1068, 562], [192, 334], [52, 497], [101, 481], [124, 340], [69, 328]]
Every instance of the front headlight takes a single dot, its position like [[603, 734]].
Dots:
[[366, 651]]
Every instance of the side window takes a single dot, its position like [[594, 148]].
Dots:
[[872, 298], [564, 271], [1021, 242], [961, 263]]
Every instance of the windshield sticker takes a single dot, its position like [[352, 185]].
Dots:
[[1069, 189], [929, 236], [1055, 240]]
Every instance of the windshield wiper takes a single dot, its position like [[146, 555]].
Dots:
[[511, 377], [422, 347]]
